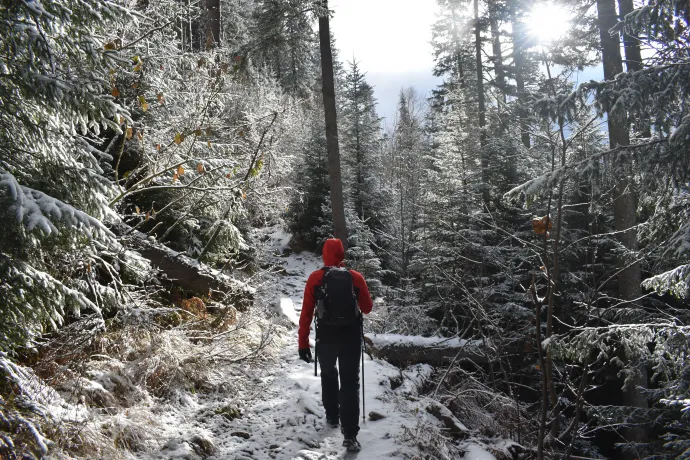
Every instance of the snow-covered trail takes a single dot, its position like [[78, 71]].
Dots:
[[277, 412], [289, 422]]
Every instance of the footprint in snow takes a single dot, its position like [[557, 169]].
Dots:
[[309, 404]]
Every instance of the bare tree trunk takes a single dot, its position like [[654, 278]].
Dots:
[[633, 58], [624, 203], [337, 206], [498, 57], [633, 55], [500, 83], [481, 102], [212, 23], [518, 37], [456, 41]]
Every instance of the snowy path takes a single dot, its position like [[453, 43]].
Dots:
[[289, 421], [281, 415]]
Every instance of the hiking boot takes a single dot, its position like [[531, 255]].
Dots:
[[351, 444], [332, 422]]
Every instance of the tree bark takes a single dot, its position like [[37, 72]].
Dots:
[[212, 23], [481, 105], [337, 205], [633, 55], [402, 350], [624, 203], [518, 37]]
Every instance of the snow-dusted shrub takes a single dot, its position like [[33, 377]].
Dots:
[[53, 193]]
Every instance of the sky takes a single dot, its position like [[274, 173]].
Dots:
[[392, 41]]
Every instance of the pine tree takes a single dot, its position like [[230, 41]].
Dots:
[[53, 195]]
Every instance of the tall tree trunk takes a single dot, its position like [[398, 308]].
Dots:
[[481, 105], [500, 83], [337, 206], [212, 23], [497, 57], [518, 57], [456, 42], [633, 57], [624, 203]]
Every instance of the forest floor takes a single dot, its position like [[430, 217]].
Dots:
[[228, 398], [283, 418]]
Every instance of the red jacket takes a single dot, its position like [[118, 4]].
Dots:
[[333, 254]]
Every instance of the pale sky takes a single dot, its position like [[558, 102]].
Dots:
[[391, 40]]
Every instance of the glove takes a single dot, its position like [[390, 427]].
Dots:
[[305, 354]]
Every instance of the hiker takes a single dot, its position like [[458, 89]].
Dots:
[[336, 293]]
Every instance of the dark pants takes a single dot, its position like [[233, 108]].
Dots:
[[343, 402]]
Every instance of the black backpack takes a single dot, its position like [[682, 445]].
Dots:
[[336, 299]]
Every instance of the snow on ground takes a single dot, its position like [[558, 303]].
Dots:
[[284, 417]]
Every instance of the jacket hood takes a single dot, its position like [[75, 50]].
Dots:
[[333, 253]]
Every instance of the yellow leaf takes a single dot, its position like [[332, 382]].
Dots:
[[180, 170], [197, 132], [115, 92], [145, 106], [135, 85], [140, 135], [158, 147], [88, 268], [208, 143], [136, 208], [120, 119], [160, 97], [244, 196], [129, 133], [200, 168], [179, 138], [175, 177], [148, 215], [209, 131], [537, 367], [241, 133], [109, 46]]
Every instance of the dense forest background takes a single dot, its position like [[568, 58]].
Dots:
[[546, 219]]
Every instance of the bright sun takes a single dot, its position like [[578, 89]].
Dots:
[[548, 22]]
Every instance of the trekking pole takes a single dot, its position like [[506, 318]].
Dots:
[[364, 421], [316, 348]]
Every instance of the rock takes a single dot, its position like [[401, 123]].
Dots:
[[375, 415], [273, 446], [179, 449], [203, 446], [241, 434], [313, 443]]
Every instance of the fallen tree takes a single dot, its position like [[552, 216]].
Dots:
[[401, 350], [187, 273]]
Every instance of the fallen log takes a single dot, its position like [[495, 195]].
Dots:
[[403, 350], [454, 426], [185, 272]]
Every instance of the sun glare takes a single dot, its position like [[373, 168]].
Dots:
[[548, 22]]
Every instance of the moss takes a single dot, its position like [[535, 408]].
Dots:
[[229, 412]]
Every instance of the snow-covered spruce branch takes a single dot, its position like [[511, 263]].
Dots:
[[36, 209], [675, 282], [551, 178]]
